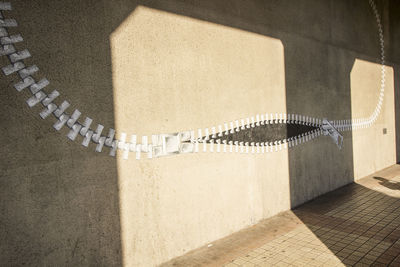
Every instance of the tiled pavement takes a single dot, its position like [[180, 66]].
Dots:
[[357, 225]]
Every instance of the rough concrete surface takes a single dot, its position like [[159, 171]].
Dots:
[[148, 67]]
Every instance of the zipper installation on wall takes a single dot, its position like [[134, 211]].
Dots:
[[220, 139]]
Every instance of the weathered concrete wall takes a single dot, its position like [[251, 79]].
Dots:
[[164, 66], [373, 148], [346, 33], [199, 74]]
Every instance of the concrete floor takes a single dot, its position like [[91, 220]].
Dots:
[[357, 225]]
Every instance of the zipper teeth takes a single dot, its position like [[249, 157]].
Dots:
[[17, 65]]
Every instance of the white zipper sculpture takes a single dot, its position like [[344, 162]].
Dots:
[[175, 143]]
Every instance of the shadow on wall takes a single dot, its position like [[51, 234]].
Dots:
[[388, 184], [321, 42], [394, 57], [59, 200]]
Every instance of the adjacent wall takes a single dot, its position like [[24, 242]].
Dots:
[[165, 66]]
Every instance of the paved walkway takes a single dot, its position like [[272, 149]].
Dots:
[[357, 225]]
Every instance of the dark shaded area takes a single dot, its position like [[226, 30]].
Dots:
[[270, 132], [321, 40], [59, 201], [359, 225]]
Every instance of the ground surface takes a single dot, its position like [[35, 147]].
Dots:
[[357, 225]]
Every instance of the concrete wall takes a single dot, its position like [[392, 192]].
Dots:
[[167, 66], [373, 148], [394, 54]]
